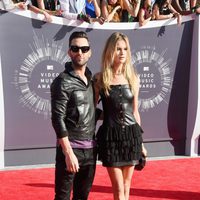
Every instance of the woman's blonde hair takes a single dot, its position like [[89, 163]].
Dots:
[[108, 57]]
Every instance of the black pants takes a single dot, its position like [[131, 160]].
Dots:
[[80, 181]]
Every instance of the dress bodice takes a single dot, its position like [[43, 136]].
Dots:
[[118, 106]]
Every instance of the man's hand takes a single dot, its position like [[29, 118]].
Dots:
[[83, 17], [71, 162], [70, 158]]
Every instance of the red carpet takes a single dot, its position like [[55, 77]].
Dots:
[[177, 179]]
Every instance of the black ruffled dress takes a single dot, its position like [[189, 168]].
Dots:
[[119, 138]]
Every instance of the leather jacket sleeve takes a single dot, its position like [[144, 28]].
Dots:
[[59, 99]]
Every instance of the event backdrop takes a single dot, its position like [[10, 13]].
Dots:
[[33, 53]]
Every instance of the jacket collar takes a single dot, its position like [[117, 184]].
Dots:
[[70, 70]]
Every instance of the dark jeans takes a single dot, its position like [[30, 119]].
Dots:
[[80, 181]]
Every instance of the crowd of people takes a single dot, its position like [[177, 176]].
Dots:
[[102, 11]]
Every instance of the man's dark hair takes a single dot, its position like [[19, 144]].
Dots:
[[77, 34]]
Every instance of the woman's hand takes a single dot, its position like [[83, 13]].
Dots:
[[21, 5], [144, 151], [47, 16]]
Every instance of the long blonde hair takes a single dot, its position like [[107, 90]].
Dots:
[[108, 57]]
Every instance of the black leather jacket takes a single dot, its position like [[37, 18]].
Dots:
[[72, 104]]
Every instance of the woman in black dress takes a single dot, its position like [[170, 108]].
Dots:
[[120, 135]]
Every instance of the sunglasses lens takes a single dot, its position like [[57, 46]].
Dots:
[[74, 48], [84, 49]]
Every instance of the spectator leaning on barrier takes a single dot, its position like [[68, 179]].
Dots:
[[130, 10], [163, 9], [111, 10], [9, 5], [93, 8], [182, 6], [37, 10], [76, 10], [49, 6], [145, 13]]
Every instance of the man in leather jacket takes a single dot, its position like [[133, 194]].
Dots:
[[73, 119]]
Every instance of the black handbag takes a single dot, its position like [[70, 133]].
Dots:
[[141, 164]]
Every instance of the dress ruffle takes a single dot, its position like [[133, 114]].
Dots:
[[119, 144]]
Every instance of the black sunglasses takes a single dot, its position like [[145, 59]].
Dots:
[[84, 49]]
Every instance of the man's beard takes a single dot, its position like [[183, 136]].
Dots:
[[79, 64]]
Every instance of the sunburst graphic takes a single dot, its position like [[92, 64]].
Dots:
[[36, 74], [155, 77]]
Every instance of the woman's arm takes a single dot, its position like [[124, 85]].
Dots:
[[97, 7], [176, 5], [50, 12], [176, 14], [104, 9], [41, 4], [135, 104], [172, 9], [158, 16], [133, 10], [111, 15], [96, 84], [43, 12], [136, 113], [106, 15], [142, 20]]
